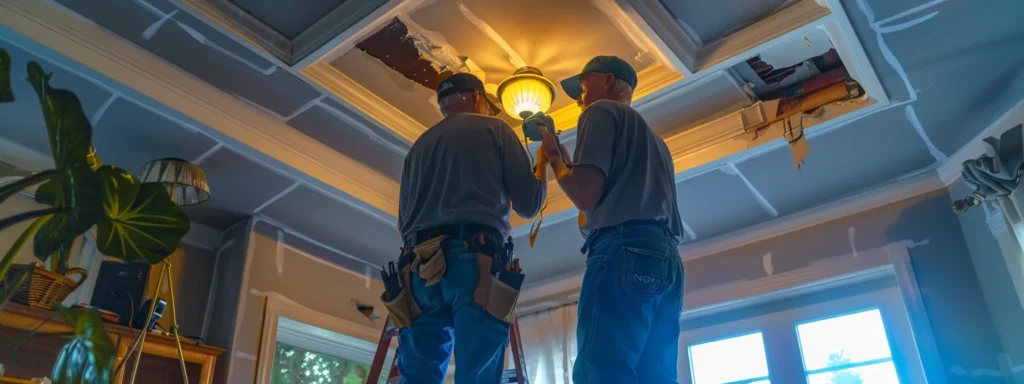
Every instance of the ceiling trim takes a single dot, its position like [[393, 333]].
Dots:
[[640, 32], [952, 169], [348, 91], [906, 187], [792, 18], [146, 76]]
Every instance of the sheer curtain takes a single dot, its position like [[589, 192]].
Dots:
[[549, 345]]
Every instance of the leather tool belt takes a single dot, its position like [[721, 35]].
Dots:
[[497, 289]]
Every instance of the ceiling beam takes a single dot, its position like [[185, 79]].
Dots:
[[142, 76]]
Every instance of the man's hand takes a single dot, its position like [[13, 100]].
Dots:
[[552, 148]]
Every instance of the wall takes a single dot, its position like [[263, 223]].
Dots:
[[302, 272], [963, 328], [989, 240], [961, 323]]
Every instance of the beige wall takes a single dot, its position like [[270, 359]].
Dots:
[[302, 273]]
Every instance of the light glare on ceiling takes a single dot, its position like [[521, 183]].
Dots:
[[526, 93]]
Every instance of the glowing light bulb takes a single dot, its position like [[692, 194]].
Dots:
[[525, 93]]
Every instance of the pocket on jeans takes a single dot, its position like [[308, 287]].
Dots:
[[644, 272]]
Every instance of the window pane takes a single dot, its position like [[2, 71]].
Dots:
[[882, 373], [843, 340], [733, 359], [294, 365]]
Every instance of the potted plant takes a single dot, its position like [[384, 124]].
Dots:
[[134, 221]]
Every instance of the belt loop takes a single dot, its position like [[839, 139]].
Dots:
[[588, 241], [462, 232]]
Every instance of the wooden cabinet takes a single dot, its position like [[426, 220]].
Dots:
[[37, 354]]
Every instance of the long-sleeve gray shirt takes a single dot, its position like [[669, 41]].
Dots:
[[466, 170]]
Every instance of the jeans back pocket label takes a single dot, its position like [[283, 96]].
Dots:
[[644, 272]]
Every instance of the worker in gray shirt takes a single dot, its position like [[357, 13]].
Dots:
[[623, 181], [461, 179]]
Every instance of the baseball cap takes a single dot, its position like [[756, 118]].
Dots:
[[464, 82], [601, 64]]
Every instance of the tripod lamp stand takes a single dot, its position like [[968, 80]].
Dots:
[[186, 184]]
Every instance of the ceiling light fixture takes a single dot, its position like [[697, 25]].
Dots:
[[526, 93]]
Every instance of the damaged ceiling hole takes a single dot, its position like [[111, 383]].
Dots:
[[413, 55]]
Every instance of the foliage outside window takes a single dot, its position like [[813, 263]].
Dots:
[[295, 365]]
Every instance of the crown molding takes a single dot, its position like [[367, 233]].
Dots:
[[952, 169], [141, 76], [349, 92]]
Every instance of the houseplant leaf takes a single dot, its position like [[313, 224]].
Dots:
[[77, 191], [67, 127], [74, 187], [89, 356], [6, 93], [12, 253], [140, 221]]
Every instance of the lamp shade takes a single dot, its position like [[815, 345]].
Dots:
[[185, 182], [526, 92]]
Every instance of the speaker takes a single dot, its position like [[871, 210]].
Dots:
[[120, 288]]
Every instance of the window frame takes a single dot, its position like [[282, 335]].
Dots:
[[363, 347], [779, 334]]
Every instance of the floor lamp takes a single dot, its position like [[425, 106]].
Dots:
[[186, 184]]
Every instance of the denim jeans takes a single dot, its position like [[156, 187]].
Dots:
[[629, 307], [451, 317]]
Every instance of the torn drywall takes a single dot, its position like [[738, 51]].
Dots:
[[412, 54]]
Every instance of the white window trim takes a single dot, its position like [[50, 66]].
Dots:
[[360, 348], [892, 259]]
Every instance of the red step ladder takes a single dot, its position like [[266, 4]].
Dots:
[[517, 375]]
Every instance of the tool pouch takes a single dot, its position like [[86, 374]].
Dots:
[[502, 298], [403, 307], [497, 290], [430, 261]]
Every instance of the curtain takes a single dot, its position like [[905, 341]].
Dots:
[[994, 179], [549, 345], [997, 173]]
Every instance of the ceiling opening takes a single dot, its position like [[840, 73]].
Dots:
[[479, 36]]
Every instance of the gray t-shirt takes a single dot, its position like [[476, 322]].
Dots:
[[637, 165], [465, 170]]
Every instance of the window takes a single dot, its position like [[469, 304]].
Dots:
[[848, 349], [736, 360], [296, 365], [308, 354]]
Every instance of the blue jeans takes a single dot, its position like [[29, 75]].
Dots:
[[449, 311], [629, 307]]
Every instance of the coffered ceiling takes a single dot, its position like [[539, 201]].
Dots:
[[298, 125]]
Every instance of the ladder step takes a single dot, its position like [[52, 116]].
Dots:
[[509, 376]]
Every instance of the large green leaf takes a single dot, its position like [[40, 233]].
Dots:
[[140, 222], [89, 356], [78, 191], [75, 186], [6, 93], [67, 127]]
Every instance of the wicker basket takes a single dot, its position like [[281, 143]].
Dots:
[[43, 288]]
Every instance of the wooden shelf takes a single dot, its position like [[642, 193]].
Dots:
[[158, 350]]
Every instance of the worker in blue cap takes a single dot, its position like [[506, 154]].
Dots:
[[622, 179], [461, 180]]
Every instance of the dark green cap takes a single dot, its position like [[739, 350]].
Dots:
[[600, 64]]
